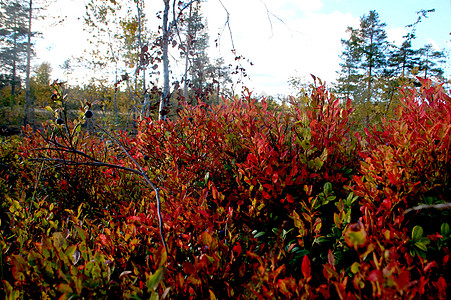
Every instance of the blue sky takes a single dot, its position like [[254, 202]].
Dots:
[[398, 13], [307, 40]]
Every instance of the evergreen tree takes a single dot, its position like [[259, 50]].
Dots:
[[363, 64], [349, 75], [402, 60], [13, 41], [373, 48], [205, 79], [429, 62]]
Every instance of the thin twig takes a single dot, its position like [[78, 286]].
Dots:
[[85, 163], [269, 14], [147, 180], [427, 206], [227, 24]]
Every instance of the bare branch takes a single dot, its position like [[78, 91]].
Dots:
[[426, 206], [227, 24], [269, 14], [94, 162], [85, 163], [146, 179]]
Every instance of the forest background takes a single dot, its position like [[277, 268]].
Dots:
[[98, 43], [147, 169]]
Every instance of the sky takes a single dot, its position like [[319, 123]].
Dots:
[[282, 38]]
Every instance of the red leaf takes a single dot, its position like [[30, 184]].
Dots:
[[104, 240], [266, 195], [376, 276], [206, 238], [403, 280], [306, 266], [188, 268], [214, 193], [331, 259], [441, 286], [290, 198], [237, 248], [341, 289], [429, 266], [392, 178]]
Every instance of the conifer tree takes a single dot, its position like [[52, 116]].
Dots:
[[373, 48], [349, 75], [429, 62], [13, 41], [363, 64]]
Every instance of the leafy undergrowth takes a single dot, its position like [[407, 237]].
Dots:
[[255, 204]]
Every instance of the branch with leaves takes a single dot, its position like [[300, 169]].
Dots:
[[92, 161]]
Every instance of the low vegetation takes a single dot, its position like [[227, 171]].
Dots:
[[237, 200]]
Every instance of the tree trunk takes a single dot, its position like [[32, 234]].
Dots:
[[14, 79], [29, 111], [140, 45], [187, 50], [164, 102]]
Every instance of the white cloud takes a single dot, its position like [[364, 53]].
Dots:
[[395, 35], [289, 38], [308, 43]]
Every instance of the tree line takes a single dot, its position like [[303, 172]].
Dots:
[[121, 46], [141, 61], [372, 69]]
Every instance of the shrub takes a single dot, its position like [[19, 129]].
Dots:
[[255, 203]]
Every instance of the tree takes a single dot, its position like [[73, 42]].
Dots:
[[67, 67], [363, 65], [349, 75], [40, 88], [373, 48], [429, 62], [13, 40], [166, 30], [402, 59], [29, 110]]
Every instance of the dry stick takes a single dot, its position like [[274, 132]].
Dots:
[[147, 180], [425, 206], [95, 162]]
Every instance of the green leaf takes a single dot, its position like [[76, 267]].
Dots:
[[445, 230], [355, 267], [59, 240], [207, 176], [327, 189], [259, 234], [64, 288], [154, 279], [421, 246], [83, 234], [154, 296], [417, 233], [11, 294]]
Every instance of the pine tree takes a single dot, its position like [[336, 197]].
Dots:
[[402, 60], [13, 40], [364, 65], [430, 61], [349, 76], [373, 47]]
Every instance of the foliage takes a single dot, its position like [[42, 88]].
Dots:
[[256, 203], [373, 70]]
